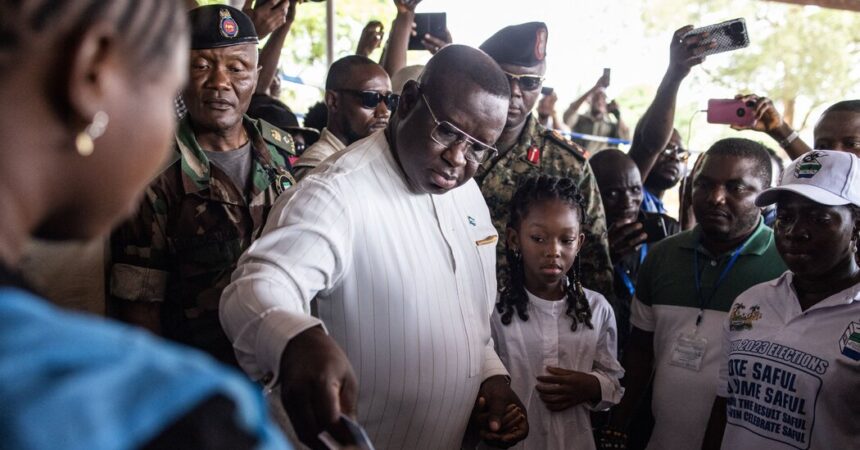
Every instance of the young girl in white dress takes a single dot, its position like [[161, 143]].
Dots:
[[556, 338]]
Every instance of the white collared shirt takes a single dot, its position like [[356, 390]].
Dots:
[[791, 377], [327, 145], [404, 282], [527, 348]]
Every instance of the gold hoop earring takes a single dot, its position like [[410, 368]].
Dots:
[[85, 141]]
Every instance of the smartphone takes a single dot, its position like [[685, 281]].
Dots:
[[654, 225], [606, 73], [730, 112], [346, 433], [433, 24], [546, 90], [729, 35]]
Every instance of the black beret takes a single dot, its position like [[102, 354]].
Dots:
[[278, 114], [215, 26], [521, 45]]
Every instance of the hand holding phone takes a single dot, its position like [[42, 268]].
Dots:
[[654, 225], [731, 112], [727, 36], [624, 237], [434, 24]]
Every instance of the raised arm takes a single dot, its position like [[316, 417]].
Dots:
[[574, 106], [371, 38], [655, 128], [394, 55], [769, 121], [271, 53], [266, 17]]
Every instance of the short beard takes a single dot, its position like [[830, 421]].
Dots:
[[660, 184]]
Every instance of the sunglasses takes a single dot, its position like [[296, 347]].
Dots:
[[677, 152], [527, 82], [370, 99]]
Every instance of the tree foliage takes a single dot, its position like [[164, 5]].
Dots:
[[796, 52]]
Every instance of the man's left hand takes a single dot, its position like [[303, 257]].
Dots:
[[499, 414]]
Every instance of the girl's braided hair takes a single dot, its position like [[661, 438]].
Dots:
[[513, 294]]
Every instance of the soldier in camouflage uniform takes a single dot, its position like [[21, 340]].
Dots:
[[173, 259], [527, 149]]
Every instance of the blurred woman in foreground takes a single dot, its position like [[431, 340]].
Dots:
[[85, 122]]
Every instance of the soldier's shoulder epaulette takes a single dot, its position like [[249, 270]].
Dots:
[[564, 142], [276, 136]]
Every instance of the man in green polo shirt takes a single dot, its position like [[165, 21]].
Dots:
[[685, 289]]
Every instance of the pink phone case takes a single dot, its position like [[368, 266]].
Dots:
[[730, 112]]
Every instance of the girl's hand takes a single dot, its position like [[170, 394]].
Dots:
[[564, 388]]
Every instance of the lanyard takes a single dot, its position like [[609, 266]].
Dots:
[[643, 250], [703, 302]]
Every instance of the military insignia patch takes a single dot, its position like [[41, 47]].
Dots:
[[284, 182], [849, 343], [533, 154], [276, 135], [472, 221], [228, 26], [809, 165], [739, 321]]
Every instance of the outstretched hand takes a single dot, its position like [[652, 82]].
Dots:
[[499, 414], [371, 38], [268, 17], [317, 384], [406, 6], [686, 52]]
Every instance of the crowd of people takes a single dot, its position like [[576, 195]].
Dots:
[[427, 261]]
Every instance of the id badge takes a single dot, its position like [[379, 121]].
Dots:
[[689, 352]]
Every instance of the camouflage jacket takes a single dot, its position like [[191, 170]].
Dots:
[[190, 229], [552, 155]]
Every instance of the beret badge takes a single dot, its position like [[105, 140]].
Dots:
[[228, 26]]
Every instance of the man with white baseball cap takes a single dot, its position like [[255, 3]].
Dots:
[[791, 346]]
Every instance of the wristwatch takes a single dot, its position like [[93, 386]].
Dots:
[[784, 143]]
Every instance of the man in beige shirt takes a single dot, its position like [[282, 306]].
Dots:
[[359, 101]]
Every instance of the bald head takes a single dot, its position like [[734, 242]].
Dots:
[[839, 128], [463, 95], [457, 65], [620, 184], [345, 69]]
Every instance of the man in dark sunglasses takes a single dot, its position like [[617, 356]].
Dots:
[[527, 149], [359, 102]]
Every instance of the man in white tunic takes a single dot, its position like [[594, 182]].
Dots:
[[394, 242]]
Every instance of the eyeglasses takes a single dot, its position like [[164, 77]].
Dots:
[[527, 82], [370, 99], [677, 152], [447, 135]]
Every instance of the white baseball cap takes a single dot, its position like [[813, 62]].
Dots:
[[827, 177]]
